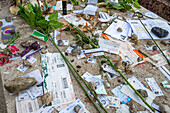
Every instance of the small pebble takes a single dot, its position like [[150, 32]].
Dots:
[[150, 42], [12, 32], [139, 59], [77, 108], [35, 46], [60, 42], [164, 43], [43, 51], [134, 37], [8, 19], [154, 48], [119, 29], [107, 84], [164, 108], [72, 60]]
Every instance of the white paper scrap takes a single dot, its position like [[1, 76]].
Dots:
[[112, 30], [35, 91], [123, 98], [165, 71], [60, 7], [113, 101], [90, 9], [23, 96], [109, 46], [154, 86], [45, 109], [70, 108], [22, 68], [69, 49], [110, 70], [72, 18], [123, 109], [27, 106]]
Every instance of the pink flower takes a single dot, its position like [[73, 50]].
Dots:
[[4, 59], [12, 48]]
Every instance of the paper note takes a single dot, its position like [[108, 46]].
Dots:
[[112, 30], [72, 18], [154, 86], [5, 23], [70, 108], [90, 10], [35, 91], [27, 106], [123, 98], [113, 101], [57, 79], [60, 7], [22, 68], [45, 109], [109, 46]]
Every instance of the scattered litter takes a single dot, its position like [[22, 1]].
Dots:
[[45, 109], [113, 101], [60, 7], [123, 109], [90, 9], [71, 108], [154, 86], [129, 92], [151, 15], [164, 83], [56, 64], [105, 17], [5, 23], [123, 98], [39, 35], [92, 59]]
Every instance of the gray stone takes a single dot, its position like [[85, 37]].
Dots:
[[92, 85], [134, 37], [119, 65], [143, 92], [25, 44], [77, 108], [76, 51], [46, 98], [161, 33], [8, 19], [19, 84], [43, 51], [150, 42], [119, 29]]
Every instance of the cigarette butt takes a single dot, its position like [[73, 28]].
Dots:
[[105, 37]]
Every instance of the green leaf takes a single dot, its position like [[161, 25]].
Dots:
[[129, 1], [55, 24], [43, 23], [128, 7], [136, 4], [32, 18], [54, 16]]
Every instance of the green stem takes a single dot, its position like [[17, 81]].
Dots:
[[66, 60], [89, 31], [46, 5], [154, 41], [79, 39], [128, 83]]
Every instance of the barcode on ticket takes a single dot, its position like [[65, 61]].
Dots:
[[30, 107], [65, 84], [60, 65]]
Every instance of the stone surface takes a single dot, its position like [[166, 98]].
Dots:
[[134, 37], [92, 85], [19, 84], [76, 51], [119, 29], [143, 92], [46, 98], [161, 33]]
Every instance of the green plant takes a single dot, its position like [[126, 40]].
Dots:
[[32, 15], [122, 4], [11, 40]]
